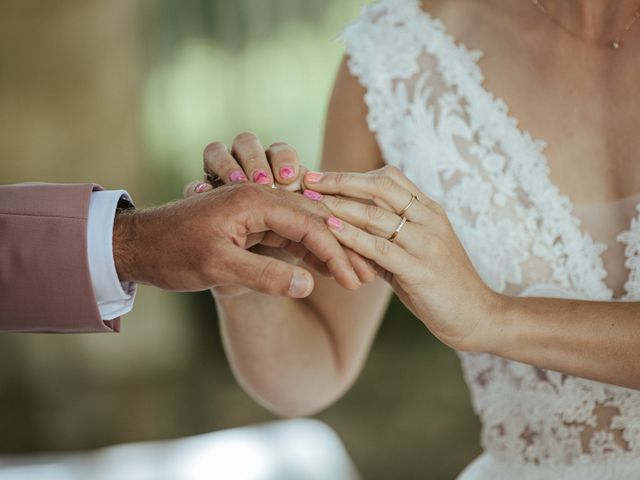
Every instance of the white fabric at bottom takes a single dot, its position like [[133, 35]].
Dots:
[[487, 467]]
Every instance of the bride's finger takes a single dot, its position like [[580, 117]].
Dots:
[[377, 221], [218, 162], [387, 255], [250, 154], [194, 188], [285, 165], [380, 188]]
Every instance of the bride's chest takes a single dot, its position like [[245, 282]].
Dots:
[[535, 215], [585, 107]]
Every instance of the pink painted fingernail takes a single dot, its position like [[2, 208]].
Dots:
[[261, 177], [201, 187], [335, 224], [237, 176], [312, 177], [312, 195], [287, 172]]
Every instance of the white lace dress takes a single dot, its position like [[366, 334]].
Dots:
[[434, 119]]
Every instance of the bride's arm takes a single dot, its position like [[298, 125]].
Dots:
[[596, 340], [432, 274], [297, 356]]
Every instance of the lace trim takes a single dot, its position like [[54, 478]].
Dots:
[[575, 258], [632, 253]]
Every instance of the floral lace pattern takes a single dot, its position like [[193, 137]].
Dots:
[[434, 119]]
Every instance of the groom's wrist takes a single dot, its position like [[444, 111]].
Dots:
[[125, 254]]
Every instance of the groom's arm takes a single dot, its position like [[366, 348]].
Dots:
[[46, 276], [55, 268]]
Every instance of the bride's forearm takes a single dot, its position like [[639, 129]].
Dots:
[[595, 340], [281, 352]]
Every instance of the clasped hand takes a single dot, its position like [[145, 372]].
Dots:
[[385, 218]]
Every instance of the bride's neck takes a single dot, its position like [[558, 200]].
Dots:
[[595, 19]]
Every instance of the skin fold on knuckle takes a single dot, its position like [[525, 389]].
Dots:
[[384, 183], [392, 171], [374, 215], [381, 246], [245, 138], [340, 179], [212, 150], [268, 278]]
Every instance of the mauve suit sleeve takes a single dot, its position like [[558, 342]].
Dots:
[[45, 282]]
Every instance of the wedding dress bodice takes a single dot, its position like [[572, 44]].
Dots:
[[434, 119]]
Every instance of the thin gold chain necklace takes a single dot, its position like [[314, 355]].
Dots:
[[616, 43]]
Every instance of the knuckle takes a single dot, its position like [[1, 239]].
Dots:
[[381, 246], [310, 224], [391, 170], [279, 147], [254, 159], [340, 178], [332, 202], [321, 209], [374, 213], [213, 149], [384, 182], [245, 137], [268, 274]]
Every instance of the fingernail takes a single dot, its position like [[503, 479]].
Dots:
[[300, 285], [312, 177], [287, 172], [335, 224], [312, 195], [201, 187], [261, 177], [237, 176]]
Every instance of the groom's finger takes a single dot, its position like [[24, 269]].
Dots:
[[270, 276], [302, 221], [248, 151], [218, 162]]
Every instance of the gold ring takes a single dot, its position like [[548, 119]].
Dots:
[[397, 230], [215, 181], [414, 197]]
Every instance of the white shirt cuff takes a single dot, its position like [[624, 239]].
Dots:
[[114, 298]]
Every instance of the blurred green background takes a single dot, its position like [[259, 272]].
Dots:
[[127, 93]]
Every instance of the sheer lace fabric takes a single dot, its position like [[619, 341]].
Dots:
[[434, 119]]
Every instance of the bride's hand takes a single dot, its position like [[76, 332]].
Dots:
[[425, 263]]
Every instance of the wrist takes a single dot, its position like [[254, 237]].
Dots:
[[502, 335], [124, 240]]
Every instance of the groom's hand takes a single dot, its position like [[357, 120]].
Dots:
[[200, 242]]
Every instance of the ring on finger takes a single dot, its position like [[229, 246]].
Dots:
[[214, 181], [398, 229], [414, 198]]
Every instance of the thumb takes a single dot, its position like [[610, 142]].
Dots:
[[269, 275]]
